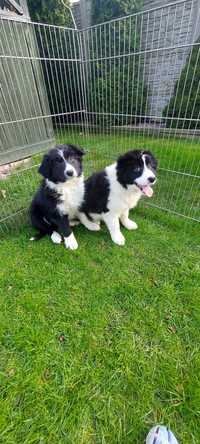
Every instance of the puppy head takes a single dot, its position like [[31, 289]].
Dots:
[[137, 168], [62, 163]]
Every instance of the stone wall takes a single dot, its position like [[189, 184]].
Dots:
[[82, 13], [167, 27]]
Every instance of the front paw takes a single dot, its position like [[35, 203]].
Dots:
[[56, 238], [93, 227], [130, 225], [119, 239], [70, 242], [73, 223]]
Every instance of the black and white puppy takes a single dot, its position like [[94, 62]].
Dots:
[[60, 194], [112, 192]]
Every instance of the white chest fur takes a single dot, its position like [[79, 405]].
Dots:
[[121, 198], [71, 196]]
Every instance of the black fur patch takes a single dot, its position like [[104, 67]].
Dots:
[[96, 194], [43, 209]]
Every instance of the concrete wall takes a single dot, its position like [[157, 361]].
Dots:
[[82, 13], [167, 27]]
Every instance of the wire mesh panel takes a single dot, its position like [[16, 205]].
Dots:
[[23, 95], [42, 100], [124, 84], [143, 79]]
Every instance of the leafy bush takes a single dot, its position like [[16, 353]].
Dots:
[[118, 86], [52, 12], [62, 79], [115, 85], [110, 9]]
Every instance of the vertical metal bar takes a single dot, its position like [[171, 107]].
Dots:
[[161, 61], [93, 92], [49, 65], [73, 103], [65, 87], [128, 80], [147, 79], [143, 80], [122, 111], [84, 82], [113, 93], [133, 76], [118, 86], [138, 77]]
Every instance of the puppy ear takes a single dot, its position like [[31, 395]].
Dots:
[[78, 151], [44, 168], [153, 161], [129, 157]]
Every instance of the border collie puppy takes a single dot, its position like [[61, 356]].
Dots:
[[60, 194], [112, 192]]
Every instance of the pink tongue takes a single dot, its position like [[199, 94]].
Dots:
[[147, 190]]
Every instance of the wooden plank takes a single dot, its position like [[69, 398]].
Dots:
[[22, 93]]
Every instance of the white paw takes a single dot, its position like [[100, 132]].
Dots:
[[119, 239], [73, 223], [93, 227], [56, 238], [130, 225], [32, 238], [70, 242]]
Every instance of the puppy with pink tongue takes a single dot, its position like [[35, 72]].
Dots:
[[109, 194]]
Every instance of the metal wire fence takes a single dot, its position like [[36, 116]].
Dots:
[[127, 83]]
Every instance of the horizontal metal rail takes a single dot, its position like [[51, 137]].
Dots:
[[139, 13], [143, 52], [168, 210], [52, 59], [27, 119], [142, 116]]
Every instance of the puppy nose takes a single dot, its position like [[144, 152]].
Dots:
[[70, 173], [151, 179]]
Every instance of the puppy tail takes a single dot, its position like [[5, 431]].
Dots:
[[37, 237]]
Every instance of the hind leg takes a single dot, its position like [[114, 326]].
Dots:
[[74, 222], [41, 234], [42, 227], [40, 222], [92, 226]]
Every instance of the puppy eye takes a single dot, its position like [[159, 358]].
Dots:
[[59, 159], [70, 160]]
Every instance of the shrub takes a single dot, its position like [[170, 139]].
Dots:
[[119, 86]]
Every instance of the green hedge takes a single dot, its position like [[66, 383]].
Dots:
[[117, 84]]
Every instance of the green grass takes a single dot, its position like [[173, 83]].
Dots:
[[99, 344], [174, 192]]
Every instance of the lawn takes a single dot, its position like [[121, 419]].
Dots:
[[101, 343], [179, 171]]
